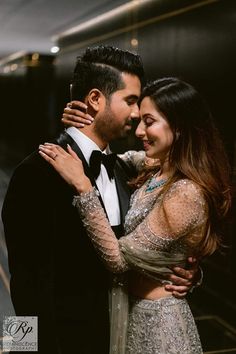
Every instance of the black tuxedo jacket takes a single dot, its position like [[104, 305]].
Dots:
[[55, 271]]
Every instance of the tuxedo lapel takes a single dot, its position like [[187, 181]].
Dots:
[[121, 177], [123, 189], [65, 139]]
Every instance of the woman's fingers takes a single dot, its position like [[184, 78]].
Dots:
[[49, 151], [58, 154], [77, 104], [68, 165], [75, 114], [72, 153], [73, 121], [46, 157], [53, 150]]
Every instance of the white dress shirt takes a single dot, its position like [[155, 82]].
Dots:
[[106, 187]]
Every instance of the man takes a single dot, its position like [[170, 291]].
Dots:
[[55, 272]]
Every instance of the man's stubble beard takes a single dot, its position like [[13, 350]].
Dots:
[[106, 127]]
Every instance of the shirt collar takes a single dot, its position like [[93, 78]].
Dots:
[[84, 142]]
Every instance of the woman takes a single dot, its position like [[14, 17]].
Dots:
[[176, 210]]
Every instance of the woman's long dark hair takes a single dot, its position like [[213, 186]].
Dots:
[[197, 152]]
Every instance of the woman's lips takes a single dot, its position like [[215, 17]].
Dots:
[[146, 144]]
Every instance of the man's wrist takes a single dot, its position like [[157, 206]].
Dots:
[[199, 281]]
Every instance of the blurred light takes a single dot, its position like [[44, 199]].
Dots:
[[14, 67], [134, 42], [6, 69], [109, 15], [55, 49], [35, 56], [12, 57]]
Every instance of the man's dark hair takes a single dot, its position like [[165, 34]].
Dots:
[[100, 67]]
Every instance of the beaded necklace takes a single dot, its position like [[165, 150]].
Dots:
[[153, 184]]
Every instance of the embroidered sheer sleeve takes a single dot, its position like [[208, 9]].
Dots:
[[134, 158], [179, 214], [100, 232]]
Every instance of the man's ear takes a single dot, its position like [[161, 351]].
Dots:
[[95, 99]]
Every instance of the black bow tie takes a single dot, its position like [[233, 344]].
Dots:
[[97, 157]]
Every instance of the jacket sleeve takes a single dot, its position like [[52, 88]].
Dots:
[[26, 219]]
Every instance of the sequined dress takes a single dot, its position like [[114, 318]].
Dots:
[[158, 228]]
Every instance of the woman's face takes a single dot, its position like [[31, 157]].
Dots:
[[154, 131]]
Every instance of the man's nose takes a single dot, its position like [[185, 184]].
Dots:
[[135, 112]]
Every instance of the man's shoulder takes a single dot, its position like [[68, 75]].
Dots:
[[30, 163], [33, 169], [34, 161]]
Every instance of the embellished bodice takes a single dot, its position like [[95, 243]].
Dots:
[[158, 227], [141, 204], [156, 222], [137, 212], [146, 216]]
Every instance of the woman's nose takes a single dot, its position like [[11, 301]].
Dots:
[[140, 131]]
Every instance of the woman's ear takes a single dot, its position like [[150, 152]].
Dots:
[[95, 99]]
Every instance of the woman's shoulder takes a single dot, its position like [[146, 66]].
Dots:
[[186, 188]]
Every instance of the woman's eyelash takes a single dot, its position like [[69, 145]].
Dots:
[[148, 121]]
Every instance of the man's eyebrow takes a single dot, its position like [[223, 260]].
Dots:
[[132, 97]]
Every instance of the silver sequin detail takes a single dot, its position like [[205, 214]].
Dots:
[[160, 223], [164, 326]]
